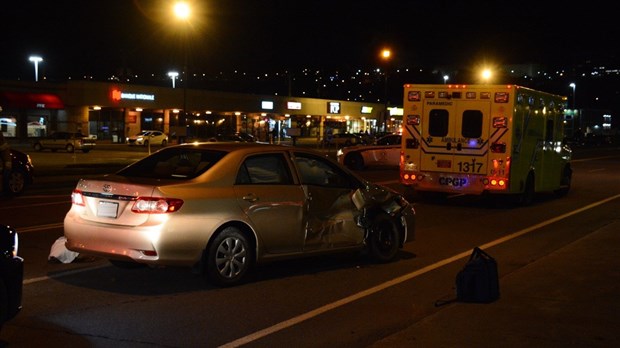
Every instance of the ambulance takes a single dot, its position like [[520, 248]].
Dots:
[[484, 140]]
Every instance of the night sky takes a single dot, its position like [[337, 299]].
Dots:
[[105, 37]]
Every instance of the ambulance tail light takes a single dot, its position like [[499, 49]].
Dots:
[[500, 122], [411, 143], [498, 147]]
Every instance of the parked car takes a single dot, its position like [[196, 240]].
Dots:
[[385, 152], [216, 138], [342, 139], [146, 137], [246, 136], [20, 176], [213, 206], [67, 141], [11, 275]]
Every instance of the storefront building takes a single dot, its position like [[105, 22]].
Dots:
[[114, 111]]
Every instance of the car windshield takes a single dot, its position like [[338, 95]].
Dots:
[[174, 163]]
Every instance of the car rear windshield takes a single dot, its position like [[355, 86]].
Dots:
[[174, 163]]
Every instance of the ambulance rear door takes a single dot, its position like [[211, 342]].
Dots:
[[455, 136]]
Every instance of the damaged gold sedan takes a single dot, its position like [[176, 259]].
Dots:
[[226, 207]]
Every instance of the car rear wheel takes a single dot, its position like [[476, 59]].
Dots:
[[230, 258], [164, 143], [38, 147], [15, 184], [383, 238], [69, 148]]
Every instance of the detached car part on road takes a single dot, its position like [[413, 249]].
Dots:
[[11, 275], [224, 207]]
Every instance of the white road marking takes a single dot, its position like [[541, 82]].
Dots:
[[316, 312]]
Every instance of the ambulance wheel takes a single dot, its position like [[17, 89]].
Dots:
[[527, 196], [565, 182], [354, 161]]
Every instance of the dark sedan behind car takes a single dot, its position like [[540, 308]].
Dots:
[[20, 176]]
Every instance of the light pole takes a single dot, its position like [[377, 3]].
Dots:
[[573, 85], [36, 60], [182, 12], [173, 76], [386, 54], [445, 79]]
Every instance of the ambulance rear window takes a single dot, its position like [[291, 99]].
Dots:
[[438, 122], [472, 124]]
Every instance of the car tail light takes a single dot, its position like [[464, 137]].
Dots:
[[77, 198], [156, 205]]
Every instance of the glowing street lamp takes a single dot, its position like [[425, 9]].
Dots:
[[173, 76], [445, 79], [486, 75], [36, 60], [573, 85]]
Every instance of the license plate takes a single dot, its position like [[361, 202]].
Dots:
[[107, 209]]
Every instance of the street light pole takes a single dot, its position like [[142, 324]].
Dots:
[[182, 11], [36, 60], [573, 85], [385, 55]]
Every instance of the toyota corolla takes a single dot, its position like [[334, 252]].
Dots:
[[226, 207]]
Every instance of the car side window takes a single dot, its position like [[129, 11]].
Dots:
[[269, 169], [320, 172]]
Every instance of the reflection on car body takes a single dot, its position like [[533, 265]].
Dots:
[[213, 206], [385, 152]]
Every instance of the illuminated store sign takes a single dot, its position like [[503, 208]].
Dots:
[[266, 105], [293, 105], [333, 108], [118, 95], [366, 109]]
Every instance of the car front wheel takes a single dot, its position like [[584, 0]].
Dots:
[[383, 238], [230, 258]]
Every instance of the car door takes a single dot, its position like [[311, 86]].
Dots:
[[274, 204], [329, 213]]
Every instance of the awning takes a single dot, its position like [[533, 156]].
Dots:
[[16, 100]]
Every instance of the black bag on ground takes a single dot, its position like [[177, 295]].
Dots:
[[478, 280]]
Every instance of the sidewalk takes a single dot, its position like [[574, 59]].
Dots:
[[571, 298]]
